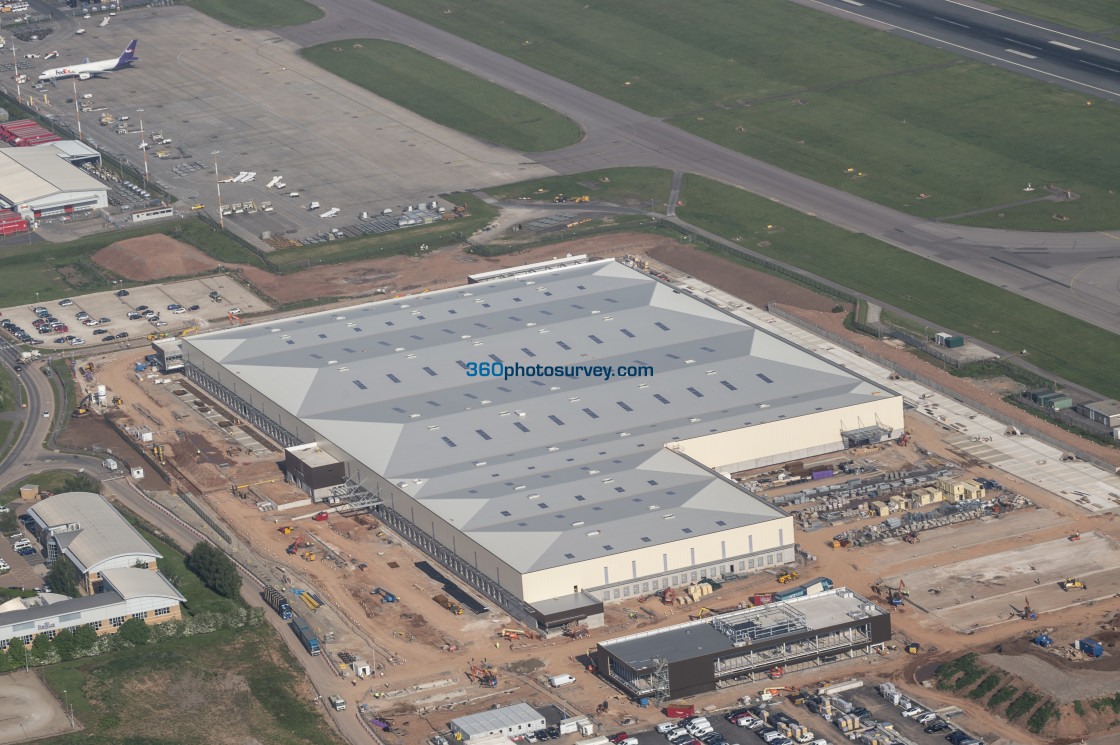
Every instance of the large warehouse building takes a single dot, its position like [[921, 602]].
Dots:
[[743, 646], [41, 181], [552, 493]]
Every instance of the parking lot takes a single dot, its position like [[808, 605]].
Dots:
[[247, 94], [25, 571], [210, 312], [880, 710]]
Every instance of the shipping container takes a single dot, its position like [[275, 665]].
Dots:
[[1091, 648], [820, 584], [825, 474], [793, 592], [306, 635], [763, 598], [954, 341], [679, 711]]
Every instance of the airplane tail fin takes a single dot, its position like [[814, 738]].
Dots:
[[85, 61], [129, 54]]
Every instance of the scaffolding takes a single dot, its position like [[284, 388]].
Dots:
[[661, 682], [763, 622]]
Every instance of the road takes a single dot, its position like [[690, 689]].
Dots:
[[1078, 60], [1076, 273]]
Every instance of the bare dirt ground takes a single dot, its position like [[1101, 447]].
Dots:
[[158, 256], [418, 633], [28, 711]]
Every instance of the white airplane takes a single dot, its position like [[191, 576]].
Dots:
[[88, 69]]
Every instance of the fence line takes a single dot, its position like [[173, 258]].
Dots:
[[955, 395]]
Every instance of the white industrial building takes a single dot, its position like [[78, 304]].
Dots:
[[553, 494], [509, 722], [41, 181]]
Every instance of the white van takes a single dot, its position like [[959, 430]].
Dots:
[[21, 544], [560, 680]]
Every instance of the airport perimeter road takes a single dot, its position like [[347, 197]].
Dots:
[[1078, 60], [36, 393], [1076, 273]]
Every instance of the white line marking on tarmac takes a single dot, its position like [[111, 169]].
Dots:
[[1099, 67], [893, 5], [949, 43], [946, 20], [853, 2], [1021, 54], [1032, 25], [1021, 43], [1066, 46]]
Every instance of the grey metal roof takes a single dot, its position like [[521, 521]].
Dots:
[[30, 173], [133, 582], [504, 460], [494, 720], [101, 534], [72, 605]]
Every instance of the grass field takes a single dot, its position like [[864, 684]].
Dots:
[[259, 13], [446, 94], [46, 481], [229, 686], [1086, 15], [677, 60], [6, 427], [630, 187], [1056, 342], [970, 136], [7, 390], [1097, 211], [56, 270]]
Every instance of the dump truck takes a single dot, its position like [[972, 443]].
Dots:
[[306, 636], [275, 597], [448, 603], [337, 702]]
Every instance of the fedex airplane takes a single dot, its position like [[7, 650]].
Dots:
[[88, 69]]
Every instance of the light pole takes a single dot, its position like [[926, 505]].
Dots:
[[218, 183], [143, 146], [15, 68], [77, 108]]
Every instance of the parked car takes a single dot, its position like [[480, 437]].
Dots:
[[935, 726], [195, 307], [27, 551], [141, 308], [618, 737], [110, 337], [926, 718], [665, 728], [103, 320], [174, 306], [913, 712], [161, 323], [100, 332], [66, 302], [77, 342], [122, 335], [235, 311], [121, 293]]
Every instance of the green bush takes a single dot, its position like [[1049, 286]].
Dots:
[[1022, 705], [1002, 695], [1042, 715], [967, 664], [1113, 703], [1078, 709], [985, 687], [215, 569]]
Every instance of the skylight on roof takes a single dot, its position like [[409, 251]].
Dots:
[[521, 426], [595, 339], [626, 332], [556, 419], [661, 326], [450, 442], [429, 370], [695, 392], [528, 352], [563, 346], [764, 378], [727, 385], [360, 384], [661, 398], [624, 405], [482, 433], [591, 413], [393, 378]]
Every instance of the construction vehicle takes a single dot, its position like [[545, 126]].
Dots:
[[386, 596], [337, 702], [157, 335], [1072, 583], [309, 556], [513, 634], [187, 332], [1028, 614], [484, 674], [912, 537], [162, 154], [287, 529], [700, 615], [301, 542], [118, 401], [321, 516], [913, 648], [276, 600], [668, 596], [80, 411], [1076, 536], [839, 543], [776, 672], [448, 603], [310, 642], [788, 576], [897, 595]]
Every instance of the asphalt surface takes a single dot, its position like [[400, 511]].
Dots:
[[1076, 273], [1078, 60]]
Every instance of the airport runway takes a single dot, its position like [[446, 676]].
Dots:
[[1078, 60], [1077, 273]]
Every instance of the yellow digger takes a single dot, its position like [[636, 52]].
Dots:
[[787, 577], [1072, 583]]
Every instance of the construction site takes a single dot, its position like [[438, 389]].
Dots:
[[416, 644]]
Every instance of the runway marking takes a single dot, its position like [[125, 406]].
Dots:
[[895, 5], [1101, 67], [1021, 54], [946, 20], [852, 2], [1110, 235], [1021, 43], [946, 42], [1033, 25], [1066, 46]]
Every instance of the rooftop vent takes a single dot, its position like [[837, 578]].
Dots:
[[594, 532], [668, 516], [577, 523]]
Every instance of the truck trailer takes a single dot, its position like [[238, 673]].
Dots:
[[303, 631], [275, 597]]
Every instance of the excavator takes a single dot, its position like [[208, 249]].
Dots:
[[1072, 583], [1028, 614], [897, 595]]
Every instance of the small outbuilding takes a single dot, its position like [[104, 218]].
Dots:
[[511, 721]]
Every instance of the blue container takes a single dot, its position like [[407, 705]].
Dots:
[[1090, 647], [643, 701]]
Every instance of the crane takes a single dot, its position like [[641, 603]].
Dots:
[[386, 596]]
